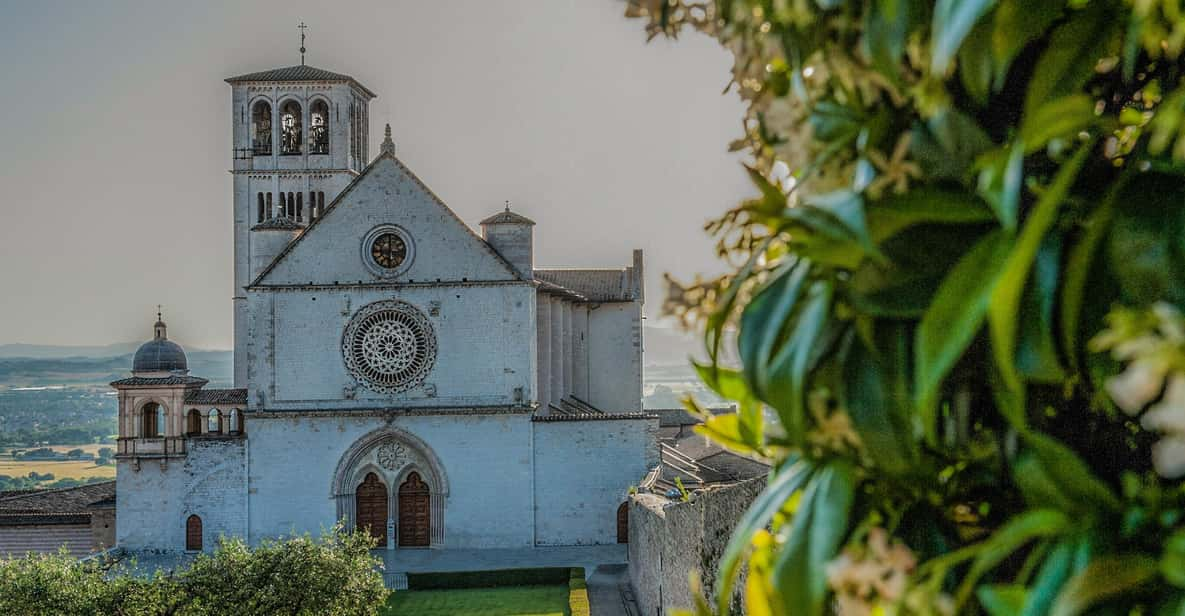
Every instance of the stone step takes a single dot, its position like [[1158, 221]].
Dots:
[[395, 580]]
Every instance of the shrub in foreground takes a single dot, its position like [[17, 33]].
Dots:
[[958, 301], [333, 574]]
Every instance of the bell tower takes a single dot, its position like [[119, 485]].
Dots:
[[300, 134]]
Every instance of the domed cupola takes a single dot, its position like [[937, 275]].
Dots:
[[160, 354]]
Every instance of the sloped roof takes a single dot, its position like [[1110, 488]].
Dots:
[[341, 196], [592, 417], [75, 500], [506, 217], [154, 381], [596, 285], [301, 72], [217, 396]]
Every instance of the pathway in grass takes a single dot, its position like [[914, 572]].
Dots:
[[506, 601]]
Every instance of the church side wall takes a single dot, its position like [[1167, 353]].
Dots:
[[486, 459], [583, 472], [615, 357], [485, 347], [156, 500]]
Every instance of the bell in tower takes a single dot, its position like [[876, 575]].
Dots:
[[301, 135]]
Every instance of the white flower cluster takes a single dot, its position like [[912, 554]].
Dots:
[[875, 575], [1153, 345]]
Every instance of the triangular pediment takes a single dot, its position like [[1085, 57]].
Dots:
[[333, 249]]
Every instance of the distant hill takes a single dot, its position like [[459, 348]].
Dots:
[[34, 365], [46, 351], [98, 371]]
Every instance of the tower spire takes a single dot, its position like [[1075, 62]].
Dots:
[[302, 29], [388, 143]]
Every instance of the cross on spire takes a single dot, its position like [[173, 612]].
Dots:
[[302, 29], [158, 317]]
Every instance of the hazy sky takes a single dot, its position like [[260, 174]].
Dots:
[[116, 141]]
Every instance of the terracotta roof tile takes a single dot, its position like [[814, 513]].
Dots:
[[217, 396], [155, 381], [302, 72], [63, 500], [597, 285]]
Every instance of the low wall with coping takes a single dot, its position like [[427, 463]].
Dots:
[[670, 539]]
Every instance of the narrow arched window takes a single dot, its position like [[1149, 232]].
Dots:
[[283, 211], [193, 422], [193, 534], [259, 199], [319, 128], [353, 135], [261, 125], [290, 128], [269, 205], [320, 203], [299, 206], [152, 420], [236, 422], [214, 425]]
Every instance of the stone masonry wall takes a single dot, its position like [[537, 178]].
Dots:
[[583, 471], [155, 500], [669, 540]]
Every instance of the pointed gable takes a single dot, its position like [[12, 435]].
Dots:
[[387, 193]]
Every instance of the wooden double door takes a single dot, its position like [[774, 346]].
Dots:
[[371, 507], [415, 510]]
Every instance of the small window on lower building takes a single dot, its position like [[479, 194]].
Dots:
[[193, 422], [193, 534]]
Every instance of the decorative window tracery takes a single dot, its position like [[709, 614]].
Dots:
[[319, 128], [261, 122], [290, 128], [389, 347]]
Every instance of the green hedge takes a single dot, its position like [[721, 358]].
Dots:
[[488, 579], [577, 593]]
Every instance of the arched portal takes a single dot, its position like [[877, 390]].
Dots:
[[415, 512], [394, 457], [371, 507]]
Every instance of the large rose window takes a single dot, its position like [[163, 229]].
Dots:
[[389, 346]]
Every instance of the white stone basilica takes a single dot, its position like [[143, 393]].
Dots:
[[394, 370]]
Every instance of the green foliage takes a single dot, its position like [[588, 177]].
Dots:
[[544, 576], [333, 574], [578, 593], [959, 297], [532, 600]]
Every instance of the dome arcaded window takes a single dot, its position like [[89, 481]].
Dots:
[[389, 347]]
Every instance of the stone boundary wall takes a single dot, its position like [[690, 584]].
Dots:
[[670, 539]]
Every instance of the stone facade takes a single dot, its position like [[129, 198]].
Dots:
[[669, 540], [395, 369]]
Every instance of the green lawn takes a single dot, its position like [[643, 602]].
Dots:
[[510, 601]]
